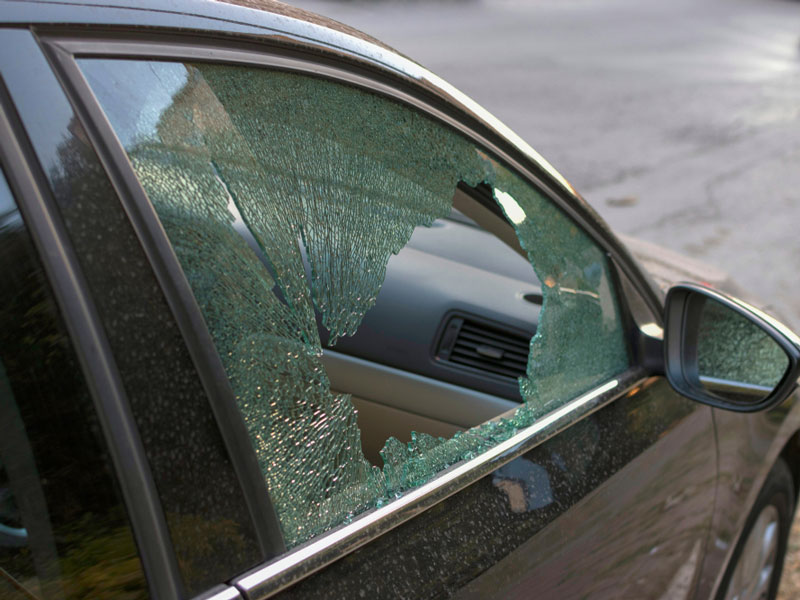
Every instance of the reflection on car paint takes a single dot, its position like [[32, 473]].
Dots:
[[526, 484], [349, 175]]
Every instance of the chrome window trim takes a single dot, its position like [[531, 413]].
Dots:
[[304, 560], [222, 592], [280, 573]]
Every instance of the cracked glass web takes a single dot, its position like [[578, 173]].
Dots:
[[732, 348], [325, 182]]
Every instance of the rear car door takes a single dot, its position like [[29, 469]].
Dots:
[[146, 402], [270, 203]]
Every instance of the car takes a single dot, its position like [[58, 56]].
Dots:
[[284, 314]]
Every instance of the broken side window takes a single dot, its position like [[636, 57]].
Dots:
[[285, 197]]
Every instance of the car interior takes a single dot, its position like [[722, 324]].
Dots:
[[448, 337]]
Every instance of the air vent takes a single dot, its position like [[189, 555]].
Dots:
[[468, 342]]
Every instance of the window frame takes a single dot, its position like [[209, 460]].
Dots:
[[63, 48]]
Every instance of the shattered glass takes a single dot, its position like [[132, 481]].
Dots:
[[732, 348], [284, 196]]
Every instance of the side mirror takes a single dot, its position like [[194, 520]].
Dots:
[[726, 353]]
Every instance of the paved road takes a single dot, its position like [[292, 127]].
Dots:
[[679, 121]]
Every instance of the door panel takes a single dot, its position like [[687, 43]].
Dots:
[[617, 506], [622, 462], [641, 534]]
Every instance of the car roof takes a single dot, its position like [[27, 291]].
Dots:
[[281, 8]]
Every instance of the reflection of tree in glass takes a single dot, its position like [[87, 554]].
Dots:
[[47, 391]]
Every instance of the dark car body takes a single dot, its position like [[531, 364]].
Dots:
[[630, 491]]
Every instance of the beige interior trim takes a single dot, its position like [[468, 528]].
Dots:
[[378, 423], [412, 393]]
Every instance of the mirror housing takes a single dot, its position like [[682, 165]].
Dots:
[[725, 353]]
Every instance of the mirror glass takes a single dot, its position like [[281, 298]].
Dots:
[[736, 359]]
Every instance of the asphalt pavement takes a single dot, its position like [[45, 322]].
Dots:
[[678, 121]]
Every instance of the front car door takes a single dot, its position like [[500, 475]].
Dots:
[[278, 199]]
